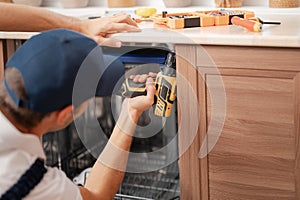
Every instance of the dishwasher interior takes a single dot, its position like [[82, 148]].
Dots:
[[152, 172]]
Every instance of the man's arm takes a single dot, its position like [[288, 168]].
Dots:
[[107, 174], [15, 17]]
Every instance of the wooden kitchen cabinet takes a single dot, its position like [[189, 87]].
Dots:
[[257, 155], [1, 60], [7, 48]]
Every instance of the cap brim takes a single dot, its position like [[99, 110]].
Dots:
[[97, 77], [112, 77]]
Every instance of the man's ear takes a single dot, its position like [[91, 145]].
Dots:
[[65, 115]]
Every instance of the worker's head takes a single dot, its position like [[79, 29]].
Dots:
[[55, 71]]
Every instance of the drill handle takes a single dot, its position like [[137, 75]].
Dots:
[[132, 89]]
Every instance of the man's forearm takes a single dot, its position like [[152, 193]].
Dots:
[[25, 18], [108, 172], [104, 180]]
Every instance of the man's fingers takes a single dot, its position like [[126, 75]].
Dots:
[[136, 78], [122, 17], [108, 42], [152, 74], [142, 77], [121, 27], [139, 78], [150, 88]]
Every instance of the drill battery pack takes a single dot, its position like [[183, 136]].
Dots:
[[165, 94]]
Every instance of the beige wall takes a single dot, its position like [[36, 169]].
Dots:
[[159, 3]]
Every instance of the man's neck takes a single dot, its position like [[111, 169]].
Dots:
[[35, 131]]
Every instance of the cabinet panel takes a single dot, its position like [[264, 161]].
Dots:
[[190, 170], [255, 154], [1, 60], [287, 59], [7, 48]]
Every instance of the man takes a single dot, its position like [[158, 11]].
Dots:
[[14, 17], [47, 84]]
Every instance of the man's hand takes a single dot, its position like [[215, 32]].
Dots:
[[99, 28], [137, 105]]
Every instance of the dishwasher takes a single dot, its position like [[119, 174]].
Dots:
[[153, 171]]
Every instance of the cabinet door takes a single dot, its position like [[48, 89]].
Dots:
[[257, 154]]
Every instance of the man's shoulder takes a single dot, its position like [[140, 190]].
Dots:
[[13, 164], [54, 184]]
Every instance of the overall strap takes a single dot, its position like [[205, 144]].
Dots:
[[26, 182]]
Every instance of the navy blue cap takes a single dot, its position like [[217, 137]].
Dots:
[[62, 67]]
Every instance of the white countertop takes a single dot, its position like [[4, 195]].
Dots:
[[285, 35]]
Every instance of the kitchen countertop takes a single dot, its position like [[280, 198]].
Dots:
[[285, 35]]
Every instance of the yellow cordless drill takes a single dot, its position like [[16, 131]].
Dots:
[[165, 83]]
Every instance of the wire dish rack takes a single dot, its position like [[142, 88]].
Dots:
[[66, 151], [162, 184]]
